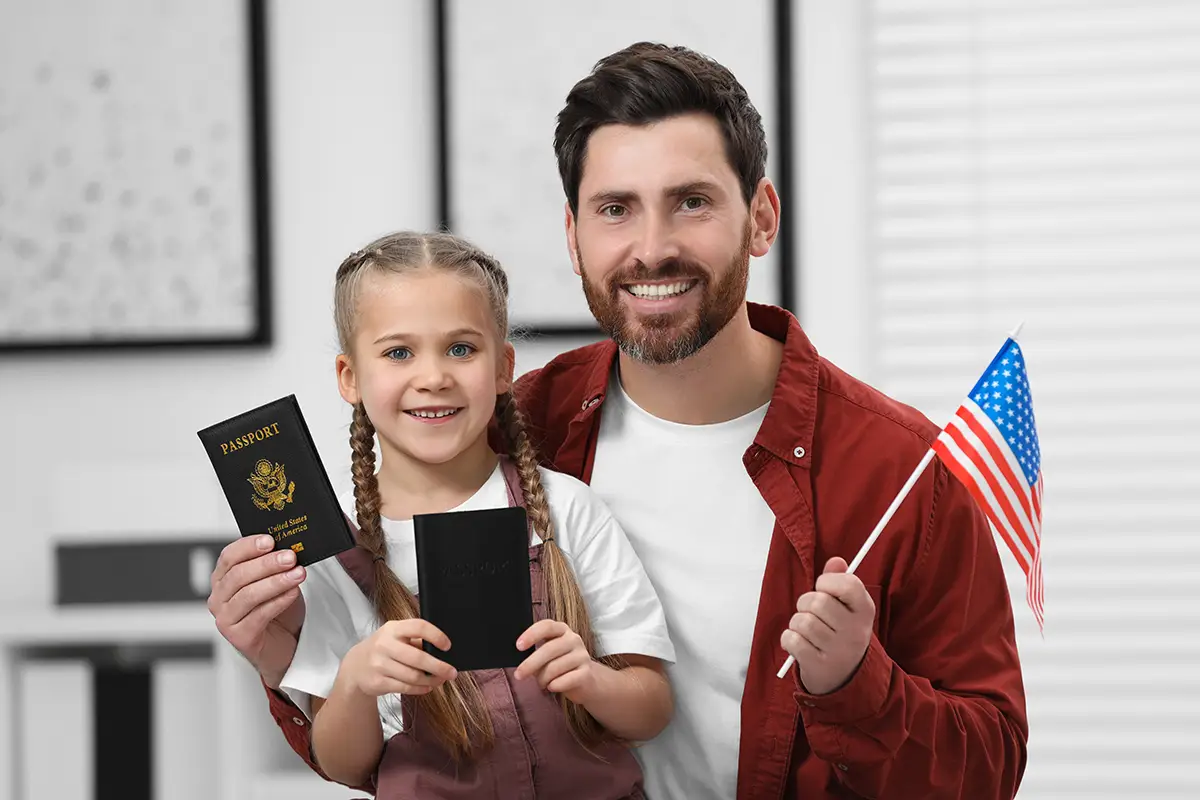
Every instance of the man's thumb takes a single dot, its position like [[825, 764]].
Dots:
[[837, 564]]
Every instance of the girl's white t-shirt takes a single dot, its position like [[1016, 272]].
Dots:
[[625, 611]]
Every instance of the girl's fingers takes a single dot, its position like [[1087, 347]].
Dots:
[[557, 669], [417, 659], [537, 661]]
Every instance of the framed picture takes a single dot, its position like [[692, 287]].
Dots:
[[133, 175], [498, 99]]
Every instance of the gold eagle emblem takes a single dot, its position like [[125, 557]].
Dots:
[[271, 486]]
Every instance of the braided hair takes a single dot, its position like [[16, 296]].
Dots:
[[455, 711]]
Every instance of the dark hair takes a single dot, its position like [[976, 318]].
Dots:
[[647, 82]]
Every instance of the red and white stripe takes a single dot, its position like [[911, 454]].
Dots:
[[977, 452]]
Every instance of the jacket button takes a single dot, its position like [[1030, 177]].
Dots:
[[298, 721], [798, 452], [843, 767]]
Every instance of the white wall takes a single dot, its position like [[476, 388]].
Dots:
[[105, 445], [830, 148]]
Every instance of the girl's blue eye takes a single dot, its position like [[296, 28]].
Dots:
[[398, 354], [461, 350]]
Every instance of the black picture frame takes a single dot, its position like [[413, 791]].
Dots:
[[254, 16], [786, 244]]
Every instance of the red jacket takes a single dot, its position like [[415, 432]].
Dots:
[[937, 707]]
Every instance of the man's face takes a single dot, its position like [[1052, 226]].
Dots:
[[663, 238]]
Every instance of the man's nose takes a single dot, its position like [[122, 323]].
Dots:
[[659, 241]]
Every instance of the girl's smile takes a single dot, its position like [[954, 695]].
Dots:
[[434, 415]]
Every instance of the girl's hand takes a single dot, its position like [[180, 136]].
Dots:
[[561, 661], [391, 660]]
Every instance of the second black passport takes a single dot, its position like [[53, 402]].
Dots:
[[473, 580]]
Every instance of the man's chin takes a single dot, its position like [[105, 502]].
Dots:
[[658, 345]]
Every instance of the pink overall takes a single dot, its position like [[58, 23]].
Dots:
[[534, 754]]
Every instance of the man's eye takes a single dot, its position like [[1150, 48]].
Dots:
[[694, 203], [613, 211], [461, 350], [398, 354]]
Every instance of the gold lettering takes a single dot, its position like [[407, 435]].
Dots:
[[298, 546], [247, 439]]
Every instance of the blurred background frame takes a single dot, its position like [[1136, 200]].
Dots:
[[134, 208], [496, 103]]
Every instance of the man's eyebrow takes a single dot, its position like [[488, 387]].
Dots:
[[623, 197], [611, 196], [692, 187]]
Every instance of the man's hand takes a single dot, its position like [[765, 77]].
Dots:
[[561, 661], [829, 634], [257, 604]]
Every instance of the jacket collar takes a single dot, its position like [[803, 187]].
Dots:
[[787, 431]]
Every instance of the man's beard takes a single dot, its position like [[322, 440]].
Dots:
[[669, 337]]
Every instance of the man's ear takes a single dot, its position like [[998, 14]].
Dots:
[[347, 381], [764, 216], [572, 241], [506, 369]]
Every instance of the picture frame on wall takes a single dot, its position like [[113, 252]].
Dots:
[[134, 206], [497, 99]]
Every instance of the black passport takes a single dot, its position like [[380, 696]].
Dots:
[[473, 581], [274, 481]]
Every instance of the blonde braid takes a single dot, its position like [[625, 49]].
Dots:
[[565, 601], [455, 710]]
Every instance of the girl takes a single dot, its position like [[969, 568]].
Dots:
[[425, 362]]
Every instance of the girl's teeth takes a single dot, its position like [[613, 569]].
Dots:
[[434, 414]]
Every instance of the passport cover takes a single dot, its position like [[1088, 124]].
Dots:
[[473, 581], [273, 479]]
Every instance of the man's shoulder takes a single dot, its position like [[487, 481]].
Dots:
[[566, 374], [551, 395], [845, 400]]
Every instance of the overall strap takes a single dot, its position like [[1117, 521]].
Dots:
[[357, 561], [512, 482], [358, 564]]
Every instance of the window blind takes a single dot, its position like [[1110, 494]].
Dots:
[[1039, 160]]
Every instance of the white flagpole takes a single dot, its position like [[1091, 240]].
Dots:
[[887, 516], [883, 521]]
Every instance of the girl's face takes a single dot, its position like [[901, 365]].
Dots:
[[426, 362]]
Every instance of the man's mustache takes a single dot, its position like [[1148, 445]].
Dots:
[[668, 270]]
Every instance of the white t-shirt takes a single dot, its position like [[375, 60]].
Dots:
[[702, 531], [625, 611]]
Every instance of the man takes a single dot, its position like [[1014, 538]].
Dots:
[[746, 471]]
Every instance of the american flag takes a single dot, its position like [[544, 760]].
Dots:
[[991, 445]]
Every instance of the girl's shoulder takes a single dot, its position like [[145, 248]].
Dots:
[[579, 513], [567, 491]]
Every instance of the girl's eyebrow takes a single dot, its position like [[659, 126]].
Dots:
[[399, 336]]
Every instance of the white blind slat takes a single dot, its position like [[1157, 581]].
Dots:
[[1040, 160]]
